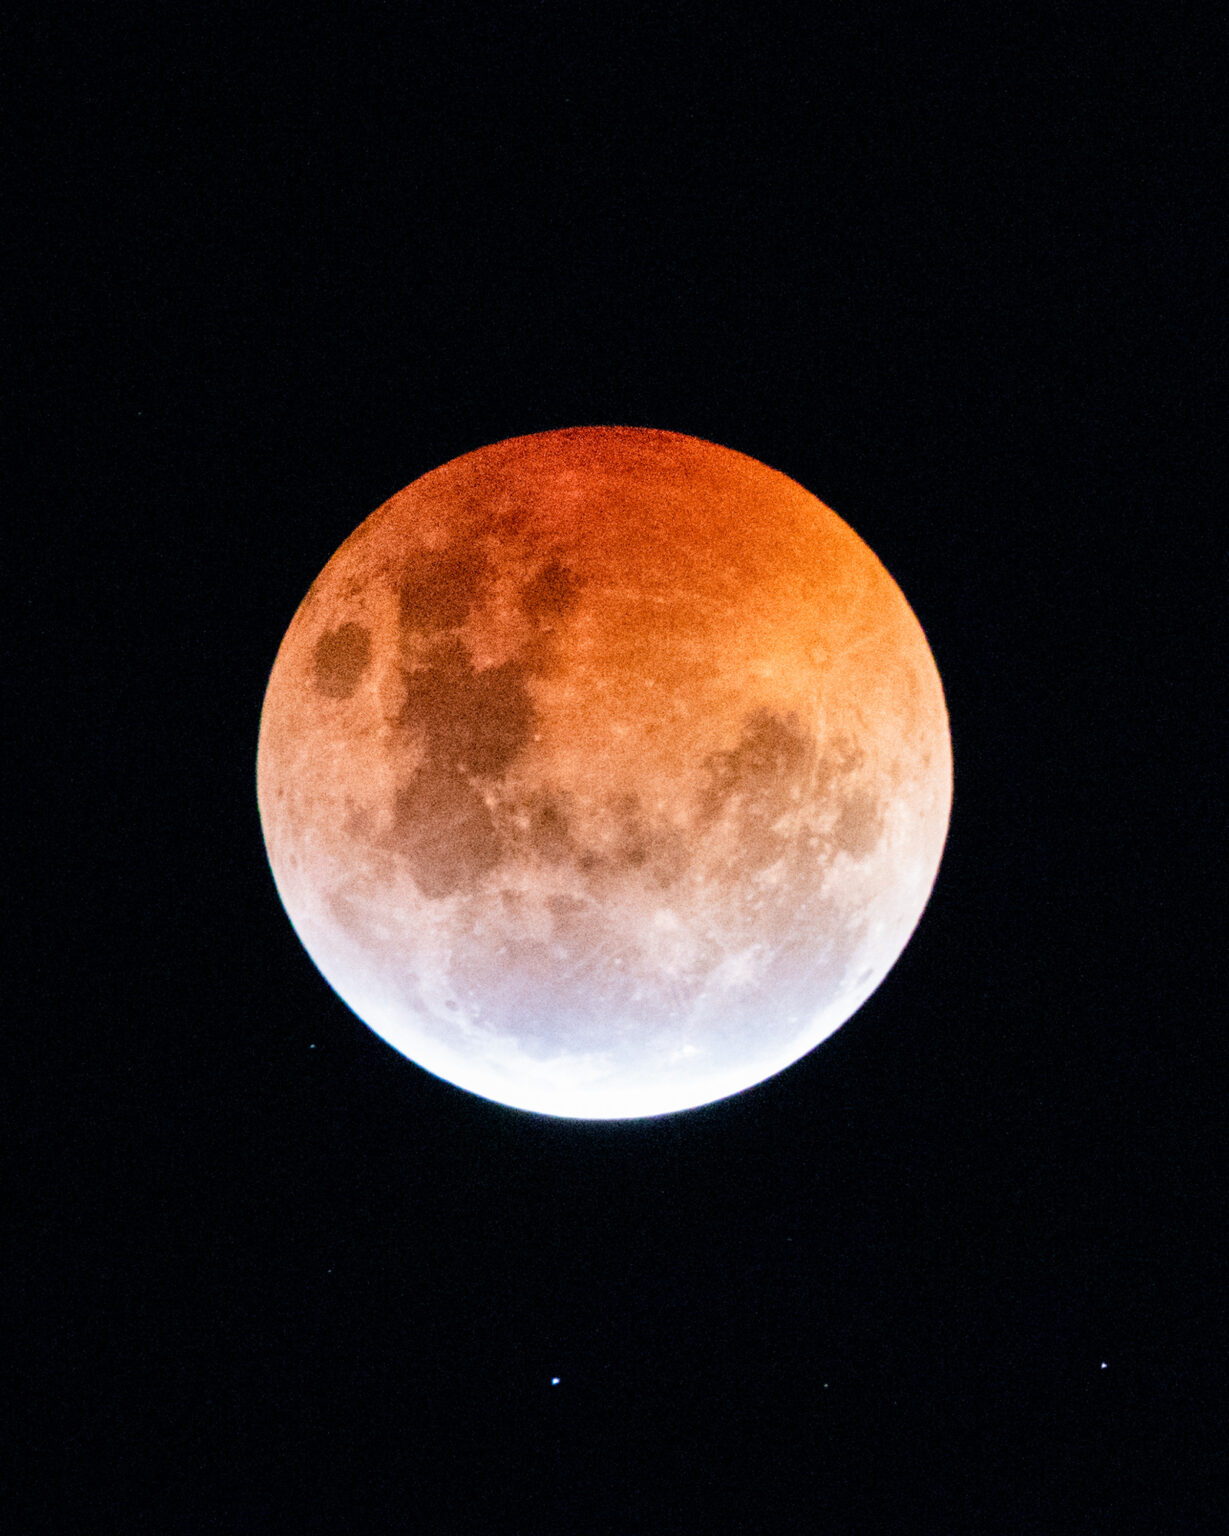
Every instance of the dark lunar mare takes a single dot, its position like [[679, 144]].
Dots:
[[340, 658], [474, 723]]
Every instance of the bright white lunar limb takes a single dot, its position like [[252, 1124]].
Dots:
[[604, 772]]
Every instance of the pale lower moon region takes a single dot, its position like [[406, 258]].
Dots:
[[604, 772]]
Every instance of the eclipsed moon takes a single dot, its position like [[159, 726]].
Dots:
[[604, 772]]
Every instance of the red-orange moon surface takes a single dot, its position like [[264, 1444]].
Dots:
[[604, 772]]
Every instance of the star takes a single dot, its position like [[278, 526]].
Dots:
[[554, 1381]]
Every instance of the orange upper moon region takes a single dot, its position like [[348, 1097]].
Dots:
[[604, 772]]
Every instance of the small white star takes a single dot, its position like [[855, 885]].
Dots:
[[1104, 1363], [554, 1381]]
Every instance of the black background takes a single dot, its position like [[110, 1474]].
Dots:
[[951, 271]]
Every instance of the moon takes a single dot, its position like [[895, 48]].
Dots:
[[604, 772]]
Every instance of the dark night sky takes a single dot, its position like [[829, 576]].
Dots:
[[956, 276]]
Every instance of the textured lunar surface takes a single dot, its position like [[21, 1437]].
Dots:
[[604, 772]]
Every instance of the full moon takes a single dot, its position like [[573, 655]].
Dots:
[[604, 772]]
